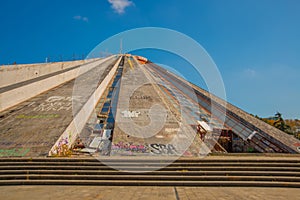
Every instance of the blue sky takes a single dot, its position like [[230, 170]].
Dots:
[[255, 43]]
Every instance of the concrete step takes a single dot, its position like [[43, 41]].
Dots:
[[137, 177], [146, 168], [215, 159], [152, 183], [154, 164], [160, 173], [184, 172]]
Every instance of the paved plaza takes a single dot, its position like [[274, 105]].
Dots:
[[145, 193]]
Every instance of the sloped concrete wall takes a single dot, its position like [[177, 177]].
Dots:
[[20, 94], [11, 74]]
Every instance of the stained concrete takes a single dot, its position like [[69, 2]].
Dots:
[[12, 74], [32, 127], [145, 193], [147, 123]]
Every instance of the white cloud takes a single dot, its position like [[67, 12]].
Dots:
[[251, 73], [120, 5], [81, 18], [85, 19]]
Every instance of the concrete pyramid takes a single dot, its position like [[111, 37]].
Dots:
[[123, 105]]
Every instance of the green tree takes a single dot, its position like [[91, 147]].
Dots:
[[280, 123]]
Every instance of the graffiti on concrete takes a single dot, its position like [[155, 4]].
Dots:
[[152, 149], [140, 97], [14, 152], [165, 149], [297, 145], [128, 113], [54, 103], [58, 98], [130, 147], [62, 148], [37, 116], [188, 153]]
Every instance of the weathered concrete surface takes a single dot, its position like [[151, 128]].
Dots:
[[32, 127], [266, 130], [136, 131], [25, 90], [12, 74], [145, 193], [146, 121], [77, 124], [268, 138]]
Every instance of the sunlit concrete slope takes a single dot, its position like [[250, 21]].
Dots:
[[135, 108], [22, 82], [149, 111], [32, 127], [241, 130], [13, 74], [148, 121]]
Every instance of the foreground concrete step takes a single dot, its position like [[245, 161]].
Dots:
[[152, 183], [192, 164], [278, 159], [245, 172], [146, 168], [160, 173], [177, 177], [242, 168]]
